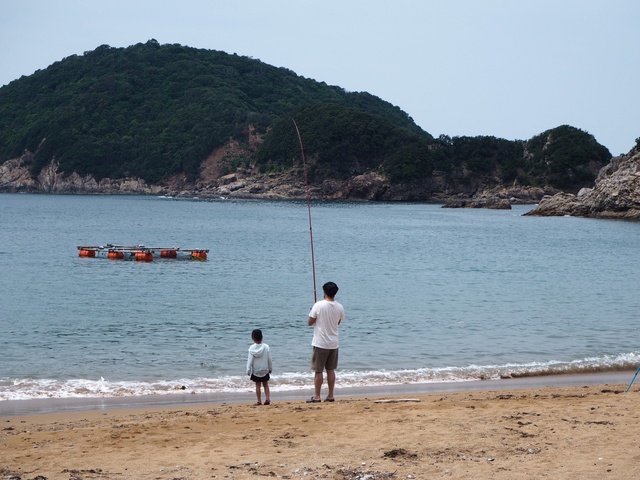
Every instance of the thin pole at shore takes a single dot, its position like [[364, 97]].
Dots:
[[306, 181], [634, 377]]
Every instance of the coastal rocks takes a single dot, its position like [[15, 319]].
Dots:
[[494, 203], [519, 195], [501, 198], [222, 177], [15, 177], [557, 205], [370, 186], [247, 183], [616, 193]]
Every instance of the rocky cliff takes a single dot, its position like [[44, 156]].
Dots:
[[616, 193], [15, 177]]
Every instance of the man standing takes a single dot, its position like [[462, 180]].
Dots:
[[325, 317]]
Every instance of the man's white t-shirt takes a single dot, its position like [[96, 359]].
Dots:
[[328, 316]]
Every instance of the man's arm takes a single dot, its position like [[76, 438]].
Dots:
[[312, 320]]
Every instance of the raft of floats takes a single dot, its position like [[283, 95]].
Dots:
[[141, 253]]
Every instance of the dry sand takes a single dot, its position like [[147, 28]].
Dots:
[[587, 432]]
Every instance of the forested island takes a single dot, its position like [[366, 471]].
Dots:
[[175, 120]]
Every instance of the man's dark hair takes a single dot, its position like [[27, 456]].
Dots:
[[257, 335], [330, 289]]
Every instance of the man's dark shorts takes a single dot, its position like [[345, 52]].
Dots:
[[324, 359], [260, 379]]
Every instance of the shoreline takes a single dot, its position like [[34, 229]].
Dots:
[[11, 408], [517, 430]]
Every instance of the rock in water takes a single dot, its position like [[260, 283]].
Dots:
[[480, 202]]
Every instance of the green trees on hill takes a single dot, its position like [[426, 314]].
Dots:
[[152, 111], [339, 141], [494, 158], [567, 157]]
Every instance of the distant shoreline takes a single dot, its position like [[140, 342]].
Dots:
[[10, 408]]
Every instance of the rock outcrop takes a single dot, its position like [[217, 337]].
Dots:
[[15, 177], [616, 193], [493, 203], [247, 182]]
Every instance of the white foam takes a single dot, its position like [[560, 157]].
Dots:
[[22, 389]]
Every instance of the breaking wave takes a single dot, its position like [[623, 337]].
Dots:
[[25, 388]]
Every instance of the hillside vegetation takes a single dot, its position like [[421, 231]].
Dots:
[[152, 111], [155, 111], [342, 142]]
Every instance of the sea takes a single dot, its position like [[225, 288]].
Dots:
[[431, 294]]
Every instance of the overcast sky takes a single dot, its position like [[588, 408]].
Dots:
[[506, 68]]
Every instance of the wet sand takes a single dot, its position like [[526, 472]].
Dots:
[[576, 431], [56, 405]]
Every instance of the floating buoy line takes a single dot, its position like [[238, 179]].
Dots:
[[141, 253]]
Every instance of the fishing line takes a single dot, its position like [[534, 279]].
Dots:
[[306, 181]]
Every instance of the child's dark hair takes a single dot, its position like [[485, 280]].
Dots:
[[330, 289], [256, 335]]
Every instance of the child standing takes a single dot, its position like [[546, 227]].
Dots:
[[259, 365]]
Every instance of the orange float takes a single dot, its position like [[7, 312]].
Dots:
[[145, 256], [86, 253], [114, 255], [198, 255], [168, 254]]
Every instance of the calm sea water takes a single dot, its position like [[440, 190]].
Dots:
[[431, 294]]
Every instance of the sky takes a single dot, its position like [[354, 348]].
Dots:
[[505, 68]]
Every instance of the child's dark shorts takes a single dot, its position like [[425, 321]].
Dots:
[[260, 379]]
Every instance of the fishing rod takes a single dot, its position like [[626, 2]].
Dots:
[[306, 181]]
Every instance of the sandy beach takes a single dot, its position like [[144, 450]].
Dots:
[[561, 432]]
